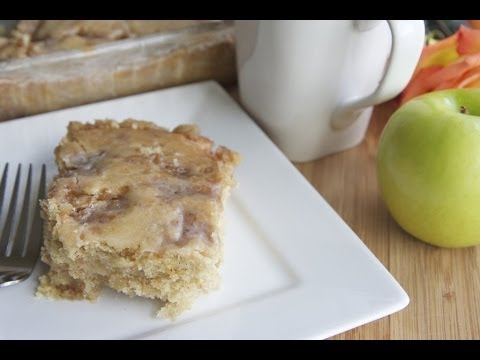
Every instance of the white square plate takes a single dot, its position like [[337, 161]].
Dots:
[[293, 269]]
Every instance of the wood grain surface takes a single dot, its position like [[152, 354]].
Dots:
[[443, 284]]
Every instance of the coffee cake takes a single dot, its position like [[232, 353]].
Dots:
[[136, 208]]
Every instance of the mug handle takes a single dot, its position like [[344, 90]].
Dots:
[[408, 37]]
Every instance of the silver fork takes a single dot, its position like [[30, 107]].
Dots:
[[19, 249]]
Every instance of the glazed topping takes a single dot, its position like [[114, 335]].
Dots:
[[134, 185]]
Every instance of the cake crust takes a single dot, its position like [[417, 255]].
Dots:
[[137, 208]]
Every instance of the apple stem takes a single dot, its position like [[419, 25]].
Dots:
[[463, 110]]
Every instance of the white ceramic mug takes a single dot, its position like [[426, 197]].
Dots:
[[311, 84]]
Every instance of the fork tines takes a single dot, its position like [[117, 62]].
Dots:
[[21, 232]]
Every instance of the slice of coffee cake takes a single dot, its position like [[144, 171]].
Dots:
[[139, 209]]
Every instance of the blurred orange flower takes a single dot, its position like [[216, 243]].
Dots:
[[474, 24], [453, 62]]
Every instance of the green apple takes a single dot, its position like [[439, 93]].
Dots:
[[428, 167]]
